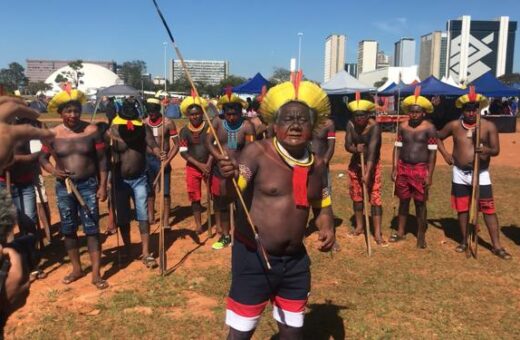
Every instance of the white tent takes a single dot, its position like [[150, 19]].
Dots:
[[343, 83], [94, 78]]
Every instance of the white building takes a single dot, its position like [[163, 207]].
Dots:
[[404, 53], [207, 71], [367, 56], [334, 55]]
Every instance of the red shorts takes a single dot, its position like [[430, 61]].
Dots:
[[461, 197], [215, 184], [410, 181], [194, 179], [356, 185]]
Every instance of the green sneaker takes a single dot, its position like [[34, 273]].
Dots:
[[223, 241]]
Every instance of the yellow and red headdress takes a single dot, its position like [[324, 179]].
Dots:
[[472, 97], [305, 92], [230, 97], [68, 94], [417, 99], [361, 104], [192, 100]]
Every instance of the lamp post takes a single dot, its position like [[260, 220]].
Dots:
[[165, 44], [300, 36]]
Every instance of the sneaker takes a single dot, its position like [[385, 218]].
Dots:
[[223, 241]]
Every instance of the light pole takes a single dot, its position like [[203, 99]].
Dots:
[[300, 36], [165, 44]]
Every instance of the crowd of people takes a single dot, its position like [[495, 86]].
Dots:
[[273, 159]]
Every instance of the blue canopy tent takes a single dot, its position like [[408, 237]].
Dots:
[[430, 86], [252, 86], [490, 86], [392, 89]]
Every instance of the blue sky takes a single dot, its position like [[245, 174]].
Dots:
[[252, 35]]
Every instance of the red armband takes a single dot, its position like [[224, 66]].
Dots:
[[45, 149], [100, 145], [250, 138], [173, 133], [331, 135]]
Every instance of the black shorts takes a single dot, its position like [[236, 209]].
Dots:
[[287, 285]]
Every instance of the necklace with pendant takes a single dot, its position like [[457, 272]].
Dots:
[[469, 128]]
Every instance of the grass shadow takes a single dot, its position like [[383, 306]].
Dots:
[[324, 322]]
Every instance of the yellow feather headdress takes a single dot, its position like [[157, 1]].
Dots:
[[361, 104], [417, 99], [230, 97], [192, 100], [472, 97], [64, 97], [304, 92]]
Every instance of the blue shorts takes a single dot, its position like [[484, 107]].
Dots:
[[153, 167], [137, 188], [70, 210], [24, 199], [287, 285]]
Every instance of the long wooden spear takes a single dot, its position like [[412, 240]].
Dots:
[[472, 233], [365, 205], [162, 252], [394, 150], [212, 130]]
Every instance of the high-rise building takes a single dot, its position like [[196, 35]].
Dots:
[[39, 69], [367, 56], [208, 71], [334, 55], [382, 60], [477, 46], [404, 53], [352, 69], [432, 59]]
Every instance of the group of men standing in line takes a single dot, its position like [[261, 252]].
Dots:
[[280, 167]]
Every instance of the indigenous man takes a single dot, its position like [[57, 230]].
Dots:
[[363, 135], [233, 132], [412, 168], [155, 120], [130, 138], [464, 149], [192, 149], [280, 179], [79, 154]]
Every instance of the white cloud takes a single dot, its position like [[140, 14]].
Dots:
[[397, 25]]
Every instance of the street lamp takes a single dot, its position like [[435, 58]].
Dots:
[[165, 44], [300, 36]]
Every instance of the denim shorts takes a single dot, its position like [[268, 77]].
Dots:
[[70, 210], [137, 188], [24, 199], [153, 167]]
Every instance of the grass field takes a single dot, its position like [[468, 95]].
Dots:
[[400, 292]]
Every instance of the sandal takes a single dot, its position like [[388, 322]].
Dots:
[[101, 284], [461, 248], [502, 253], [396, 238], [150, 262], [71, 278]]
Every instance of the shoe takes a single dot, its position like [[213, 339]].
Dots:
[[396, 238], [224, 241], [502, 253], [461, 248]]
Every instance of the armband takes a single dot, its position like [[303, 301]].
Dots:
[[432, 146], [183, 145], [323, 203], [45, 149], [331, 135], [398, 144], [242, 183], [100, 145], [173, 133], [250, 138]]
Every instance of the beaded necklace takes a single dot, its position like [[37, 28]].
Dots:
[[232, 140], [196, 131], [469, 127]]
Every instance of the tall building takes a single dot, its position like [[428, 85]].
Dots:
[[207, 71], [382, 60], [432, 59], [404, 53], [477, 46], [367, 56], [334, 55], [352, 69], [40, 70]]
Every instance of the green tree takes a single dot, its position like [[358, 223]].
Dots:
[[132, 71], [73, 75], [13, 77], [34, 87], [510, 78], [381, 82], [280, 75]]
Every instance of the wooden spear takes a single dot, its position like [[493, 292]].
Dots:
[[365, 206], [472, 233]]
